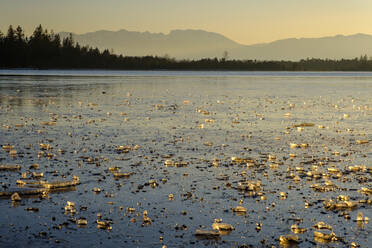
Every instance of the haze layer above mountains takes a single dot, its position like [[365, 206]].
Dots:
[[196, 44]]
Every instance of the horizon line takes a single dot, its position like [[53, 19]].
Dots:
[[208, 31]]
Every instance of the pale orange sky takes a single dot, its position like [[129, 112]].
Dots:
[[245, 21]]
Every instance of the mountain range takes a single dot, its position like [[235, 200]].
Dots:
[[196, 44]]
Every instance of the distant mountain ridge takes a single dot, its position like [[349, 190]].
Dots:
[[196, 44]]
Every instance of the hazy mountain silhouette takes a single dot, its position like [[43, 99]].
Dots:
[[195, 44]]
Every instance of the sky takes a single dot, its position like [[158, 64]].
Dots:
[[244, 21]]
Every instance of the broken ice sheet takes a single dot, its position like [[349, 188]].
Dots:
[[187, 150]]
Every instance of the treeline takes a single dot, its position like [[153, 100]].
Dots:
[[46, 50]]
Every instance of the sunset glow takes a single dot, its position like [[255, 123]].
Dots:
[[247, 22]]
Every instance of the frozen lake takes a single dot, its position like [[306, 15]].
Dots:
[[205, 138]]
